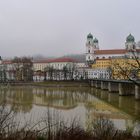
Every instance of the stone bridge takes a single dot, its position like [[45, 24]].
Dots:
[[122, 87]]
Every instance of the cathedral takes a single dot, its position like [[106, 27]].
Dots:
[[93, 51]]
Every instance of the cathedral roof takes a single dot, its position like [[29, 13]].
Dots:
[[95, 40], [115, 51], [130, 38], [90, 36]]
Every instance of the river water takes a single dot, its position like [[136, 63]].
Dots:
[[84, 104]]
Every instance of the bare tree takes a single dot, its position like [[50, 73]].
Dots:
[[65, 72], [48, 72], [23, 68], [3, 75], [127, 68], [71, 69]]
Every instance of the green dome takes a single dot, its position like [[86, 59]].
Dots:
[[90, 36], [130, 38], [95, 40]]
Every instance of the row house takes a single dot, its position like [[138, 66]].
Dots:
[[54, 69]]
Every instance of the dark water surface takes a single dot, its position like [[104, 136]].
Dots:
[[86, 104]]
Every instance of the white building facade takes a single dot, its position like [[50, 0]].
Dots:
[[54, 69]]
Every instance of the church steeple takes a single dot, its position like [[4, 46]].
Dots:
[[89, 36], [130, 44], [91, 46], [89, 39], [96, 44], [130, 38]]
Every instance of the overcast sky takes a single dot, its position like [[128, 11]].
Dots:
[[59, 27]]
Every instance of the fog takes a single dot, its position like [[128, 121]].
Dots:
[[60, 27]]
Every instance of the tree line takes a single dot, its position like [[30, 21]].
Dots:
[[20, 69]]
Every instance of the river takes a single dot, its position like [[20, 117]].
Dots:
[[86, 104]]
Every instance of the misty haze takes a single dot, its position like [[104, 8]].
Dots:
[[55, 28], [69, 70]]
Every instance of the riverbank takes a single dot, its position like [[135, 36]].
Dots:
[[50, 84], [62, 84]]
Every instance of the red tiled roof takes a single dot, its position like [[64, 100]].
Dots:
[[43, 61], [118, 51], [6, 62], [62, 60]]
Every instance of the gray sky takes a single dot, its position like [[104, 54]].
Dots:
[[58, 27]]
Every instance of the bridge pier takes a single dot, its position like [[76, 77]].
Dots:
[[113, 87], [126, 89], [104, 85], [137, 92]]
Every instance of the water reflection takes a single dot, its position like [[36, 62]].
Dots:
[[86, 103]]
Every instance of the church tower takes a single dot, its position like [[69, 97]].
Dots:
[[91, 47], [130, 44], [96, 44]]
